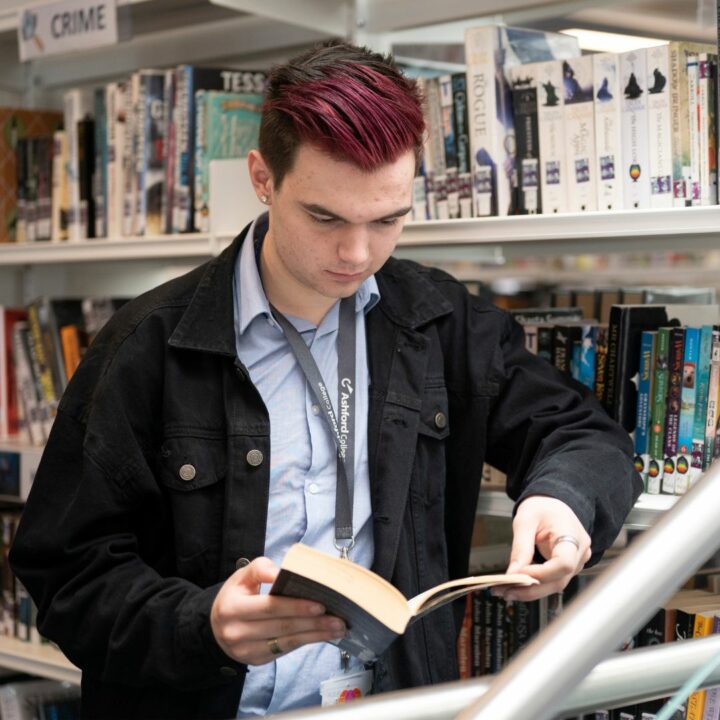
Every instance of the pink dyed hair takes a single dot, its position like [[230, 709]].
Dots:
[[352, 103]]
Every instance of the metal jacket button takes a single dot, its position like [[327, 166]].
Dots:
[[440, 420], [228, 671], [254, 457], [187, 473]]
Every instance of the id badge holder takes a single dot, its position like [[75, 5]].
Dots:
[[346, 688]]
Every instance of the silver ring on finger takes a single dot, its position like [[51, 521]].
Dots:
[[568, 539], [274, 646]]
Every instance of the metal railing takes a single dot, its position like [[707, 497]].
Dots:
[[552, 667]]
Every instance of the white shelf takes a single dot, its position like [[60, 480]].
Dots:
[[42, 660], [646, 512], [593, 232], [194, 245]]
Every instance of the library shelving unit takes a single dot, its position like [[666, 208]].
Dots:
[[255, 34]]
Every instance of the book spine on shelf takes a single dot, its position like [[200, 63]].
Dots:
[[642, 427], [657, 417], [659, 126], [608, 137], [693, 71], [100, 178], [711, 420], [672, 410], [580, 133], [688, 399], [706, 128], [701, 403], [154, 132]]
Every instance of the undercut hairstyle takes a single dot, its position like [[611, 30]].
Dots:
[[345, 100]]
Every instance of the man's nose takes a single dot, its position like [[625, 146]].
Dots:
[[354, 248]]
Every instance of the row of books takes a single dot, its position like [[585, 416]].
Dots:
[[23, 697], [671, 410], [534, 127], [133, 156], [40, 348]]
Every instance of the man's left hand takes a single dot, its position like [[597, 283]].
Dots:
[[550, 525]]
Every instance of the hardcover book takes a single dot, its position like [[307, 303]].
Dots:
[[374, 611]]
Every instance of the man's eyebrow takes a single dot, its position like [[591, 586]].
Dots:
[[320, 210]]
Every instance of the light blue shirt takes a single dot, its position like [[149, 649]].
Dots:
[[302, 463]]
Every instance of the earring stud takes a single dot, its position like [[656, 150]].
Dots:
[[264, 199]]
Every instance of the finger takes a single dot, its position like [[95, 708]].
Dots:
[[258, 652], [554, 568], [244, 632], [534, 592], [239, 606], [259, 571], [523, 545]]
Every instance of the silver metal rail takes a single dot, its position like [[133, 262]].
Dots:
[[624, 679], [559, 659]]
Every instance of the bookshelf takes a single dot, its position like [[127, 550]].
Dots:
[[42, 660]]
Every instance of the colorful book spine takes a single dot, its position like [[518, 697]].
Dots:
[[712, 401], [154, 130], [672, 410], [580, 133], [659, 126], [688, 399], [707, 131], [711, 710], [608, 126], [657, 417], [642, 428], [636, 148], [586, 373], [460, 120], [701, 403]]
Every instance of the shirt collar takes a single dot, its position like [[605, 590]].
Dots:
[[250, 293]]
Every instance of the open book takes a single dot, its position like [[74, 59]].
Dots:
[[374, 611]]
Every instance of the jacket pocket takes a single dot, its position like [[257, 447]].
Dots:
[[192, 473], [433, 428]]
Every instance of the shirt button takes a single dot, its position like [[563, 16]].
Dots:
[[315, 409], [187, 473], [241, 563], [228, 671], [254, 457], [313, 488], [440, 420]]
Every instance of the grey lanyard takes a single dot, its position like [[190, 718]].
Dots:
[[343, 432]]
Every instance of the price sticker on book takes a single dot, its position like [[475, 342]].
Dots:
[[346, 688]]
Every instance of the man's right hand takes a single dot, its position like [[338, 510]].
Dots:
[[246, 624]]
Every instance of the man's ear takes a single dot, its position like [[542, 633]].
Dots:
[[260, 176]]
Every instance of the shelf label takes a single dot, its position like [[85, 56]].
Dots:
[[63, 27]]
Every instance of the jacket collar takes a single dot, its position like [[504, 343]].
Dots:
[[406, 298]]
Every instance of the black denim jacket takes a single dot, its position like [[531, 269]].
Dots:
[[124, 556]]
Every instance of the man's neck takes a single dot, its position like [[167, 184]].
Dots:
[[286, 294]]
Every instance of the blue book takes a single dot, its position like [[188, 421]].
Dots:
[[645, 385], [687, 410], [100, 179], [587, 356], [701, 403]]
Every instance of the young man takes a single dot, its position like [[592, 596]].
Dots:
[[194, 444]]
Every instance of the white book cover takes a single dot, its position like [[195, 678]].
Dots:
[[693, 86], [580, 133], [551, 121], [659, 126], [77, 104], [608, 130], [127, 161], [491, 187], [58, 218], [636, 149]]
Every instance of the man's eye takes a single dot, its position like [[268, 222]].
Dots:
[[389, 221], [323, 220]]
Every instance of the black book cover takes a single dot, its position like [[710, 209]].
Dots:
[[564, 336], [460, 118], [527, 138], [86, 171], [627, 323]]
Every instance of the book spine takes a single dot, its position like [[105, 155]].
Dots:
[[57, 231], [659, 126], [601, 350], [611, 367], [688, 399], [712, 401], [169, 150], [100, 174], [181, 192], [155, 131], [657, 418], [460, 119], [527, 134], [128, 165], [693, 70], [707, 132], [608, 138], [711, 710], [31, 189], [672, 409], [551, 122], [485, 134], [701, 403], [642, 428], [201, 113], [579, 115], [636, 150], [44, 189], [478, 638], [702, 627], [448, 121], [26, 386], [76, 105], [464, 641], [680, 118], [140, 155], [86, 166], [587, 357]]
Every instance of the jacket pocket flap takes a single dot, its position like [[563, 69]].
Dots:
[[191, 463]]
